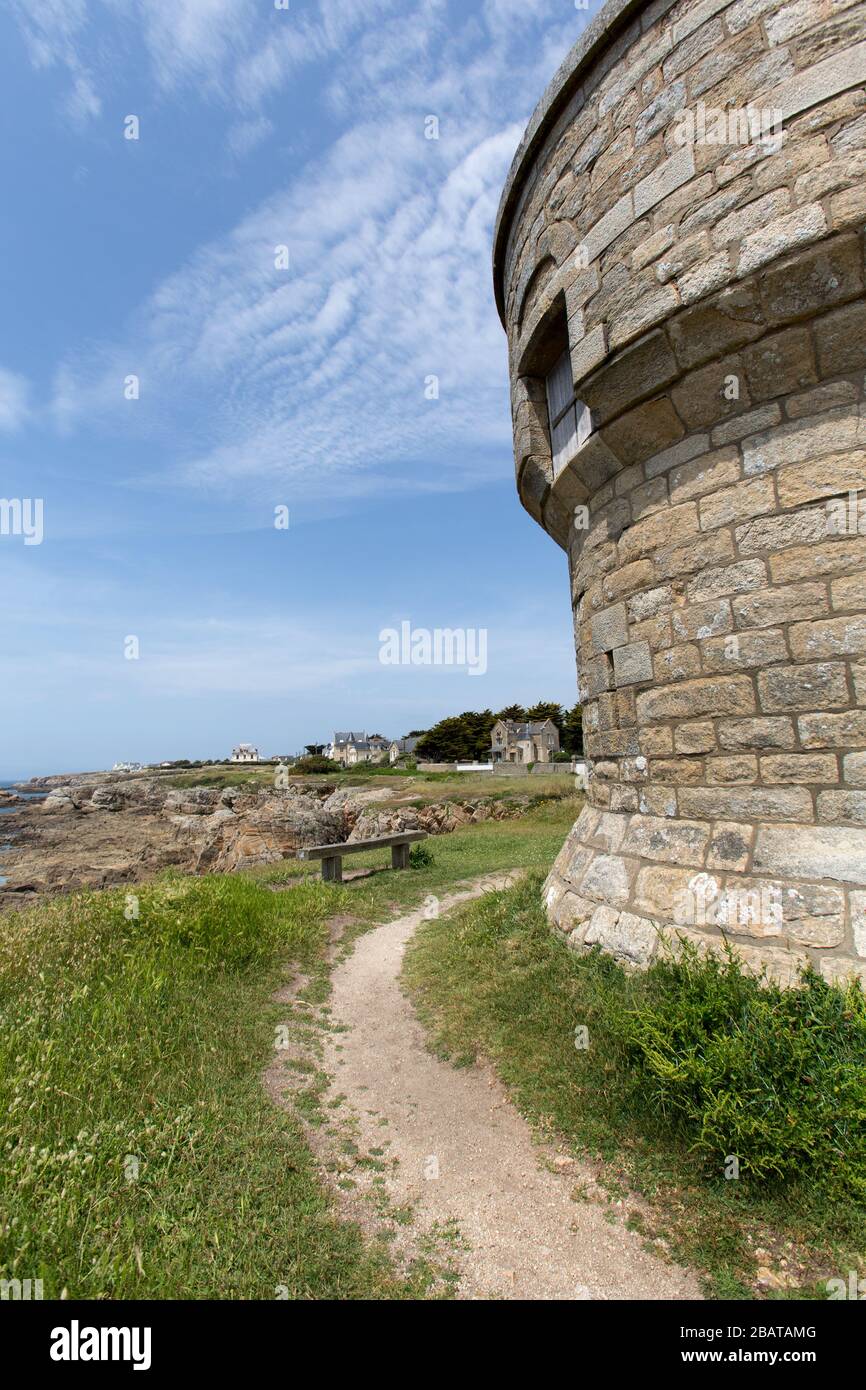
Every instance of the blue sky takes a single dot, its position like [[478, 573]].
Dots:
[[259, 386]]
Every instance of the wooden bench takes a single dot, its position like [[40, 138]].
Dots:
[[332, 855]]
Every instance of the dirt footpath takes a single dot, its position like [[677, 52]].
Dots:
[[466, 1161]]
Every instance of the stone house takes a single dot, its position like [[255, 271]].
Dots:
[[350, 747], [371, 750], [245, 753], [512, 742], [338, 748], [401, 748]]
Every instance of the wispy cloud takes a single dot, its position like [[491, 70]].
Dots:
[[320, 369], [330, 28], [375, 359], [244, 136], [55, 33], [217, 647], [14, 400], [198, 40]]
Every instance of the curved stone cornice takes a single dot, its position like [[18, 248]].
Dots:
[[562, 89], [665, 386]]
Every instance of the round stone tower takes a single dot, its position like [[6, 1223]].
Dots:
[[679, 266]]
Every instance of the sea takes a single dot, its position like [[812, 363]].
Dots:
[[7, 836]]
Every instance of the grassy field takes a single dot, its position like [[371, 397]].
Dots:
[[403, 788], [251, 778], [143, 1159], [141, 1156], [496, 981]]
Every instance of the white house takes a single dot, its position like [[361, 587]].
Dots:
[[245, 753]]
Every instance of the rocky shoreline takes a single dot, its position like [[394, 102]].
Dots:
[[99, 830]]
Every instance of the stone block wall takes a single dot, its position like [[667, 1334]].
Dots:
[[710, 292]]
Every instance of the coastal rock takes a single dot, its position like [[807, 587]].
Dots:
[[440, 818], [108, 799], [101, 830], [196, 801], [54, 802]]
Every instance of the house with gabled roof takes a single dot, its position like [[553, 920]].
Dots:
[[245, 753], [529, 742], [402, 748], [350, 747]]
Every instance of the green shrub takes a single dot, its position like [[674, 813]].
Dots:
[[776, 1077], [315, 763], [420, 857]]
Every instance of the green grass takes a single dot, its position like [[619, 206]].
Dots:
[[141, 1157], [496, 981], [774, 1076], [143, 1042], [425, 786], [252, 778], [447, 786], [529, 841], [144, 1039]]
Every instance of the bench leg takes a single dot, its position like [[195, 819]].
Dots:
[[332, 870], [399, 856]]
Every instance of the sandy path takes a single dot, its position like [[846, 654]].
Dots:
[[465, 1155]]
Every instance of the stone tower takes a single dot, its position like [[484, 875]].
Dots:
[[679, 265]]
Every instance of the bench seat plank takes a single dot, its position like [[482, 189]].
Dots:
[[406, 837]]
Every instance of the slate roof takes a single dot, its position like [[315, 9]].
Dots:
[[521, 731], [405, 745]]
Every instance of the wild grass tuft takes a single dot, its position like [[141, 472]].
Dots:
[[141, 1157]]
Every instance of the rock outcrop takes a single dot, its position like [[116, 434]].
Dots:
[[437, 819], [96, 832]]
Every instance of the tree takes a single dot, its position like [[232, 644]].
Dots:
[[461, 738], [515, 712], [466, 737], [546, 710], [571, 736]]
